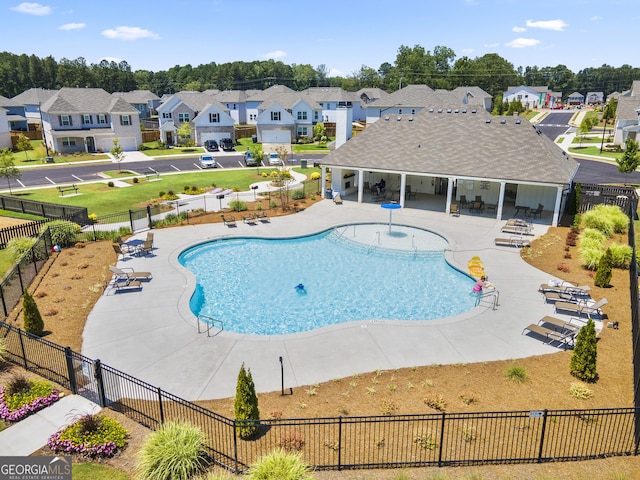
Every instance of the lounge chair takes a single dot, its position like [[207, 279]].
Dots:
[[262, 216], [121, 285], [582, 308], [249, 219], [337, 199], [229, 220], [516, 229], [566, 287], [130, 274], [512, 241], [559, 323], [563, 297], [453, 211], [564, 338]]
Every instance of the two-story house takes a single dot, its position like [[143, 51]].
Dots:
[[594, 98], [208, 118], [31, 100], [628, 115], [285, 117], [330, 98], [5, 132], [236, 103], [575, 99], [256, 98], [15, 114], [144, 101], [89, 120], [532, 96]]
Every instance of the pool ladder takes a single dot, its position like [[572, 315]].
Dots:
[[209, 322], [371, 245], [493, 295]]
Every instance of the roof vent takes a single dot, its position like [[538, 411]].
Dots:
[[503, 121], [488, 120], [439, 110], [464, 110], [456, 110], [448, 110], [518, 122], [411, 119], [473, 111], [399, 118], [431, 110], [387, 118]]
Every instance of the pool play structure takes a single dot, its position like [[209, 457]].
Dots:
[[359, 272]]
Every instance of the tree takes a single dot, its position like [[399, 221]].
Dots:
[[257, 153], [8, 168], [116, 151], [24, 145], [245, 405], [630, 158], [585, 354], [605, 267], [33, 322], [584, 128], [184, 134], [319, 131]]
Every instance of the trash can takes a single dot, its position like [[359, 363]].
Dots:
[[254, 138], [303, 164], [328, 193], [49, 159]]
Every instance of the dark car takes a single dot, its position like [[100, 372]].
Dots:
[[227, 145], [211, 146]]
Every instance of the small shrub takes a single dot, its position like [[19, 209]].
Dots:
[[468, 399], [161, 194], [567, 255], [33, 322], [186, 188], [468, 432], [388, 407], [175, 450], [22, 397], [281, 465], [604, 272], [297, 194], [620, 255], [90, 436], [111, 184], [238, 206], [580, 391], [291, 441], [563, 267], [63, 232], [425, 440], [246, 405], [273, 204], [136, 179], [19, 246], [516, 373], [585, 354], [436, 402], [590, 257]]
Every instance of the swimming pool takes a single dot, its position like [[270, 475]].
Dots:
[[250, 283]]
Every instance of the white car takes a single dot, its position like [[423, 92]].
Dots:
[[274, 159], [207, 161]]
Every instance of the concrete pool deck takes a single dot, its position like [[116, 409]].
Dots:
[[152, 334]]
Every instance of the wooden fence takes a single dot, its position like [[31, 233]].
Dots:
[[150, 135]]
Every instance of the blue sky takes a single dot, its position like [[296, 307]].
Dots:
[[342, 35]]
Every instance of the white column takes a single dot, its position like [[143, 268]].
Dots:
[[360, 185], [556, 208], [447, 207], [403, 186], [323, 180], [503, 186]]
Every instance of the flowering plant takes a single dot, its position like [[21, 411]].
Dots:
[[90, 436], [25, 408]]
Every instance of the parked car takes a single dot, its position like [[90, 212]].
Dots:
[[211, 146], [227, 145], [249, 161], [274, 159], [558, 107], [207, 161]]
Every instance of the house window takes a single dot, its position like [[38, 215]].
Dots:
[[102, 119], [413, 111], [302, 131], [183, 117], [125, 120], [68, 142], [315, 115], [214, 118], [252, 116], [86, 119], [302, 115], [399, 111], [275, 116], [166, 114], [65, 120]]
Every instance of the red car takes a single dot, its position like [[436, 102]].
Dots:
[[558, 107]]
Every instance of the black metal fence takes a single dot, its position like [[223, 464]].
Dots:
[[592, 195], [78, 215], [439, 439]]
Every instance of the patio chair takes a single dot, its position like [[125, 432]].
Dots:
[[119, 250], [129, 274], [229, 220], [337, 199], [453, 211], [568, 296], [564, 338], [559, 323], [146, 248], [537, 212], [262, 216], [408, 194], [121, 285], [582, 308], [566, 287], [463, 201], [476, 207], [249, 219], [123, 245]]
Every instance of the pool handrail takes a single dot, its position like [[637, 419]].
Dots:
[[210, 322]]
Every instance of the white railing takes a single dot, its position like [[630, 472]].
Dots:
[[209, 322]]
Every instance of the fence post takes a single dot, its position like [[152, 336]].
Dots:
[[131, 221], [235, 445], [149, 217], [72, 374], [4, 303], [544, 426], [97, 373], [160, 404], [444, 414], [20, 277], [340, 443], [24, 353]]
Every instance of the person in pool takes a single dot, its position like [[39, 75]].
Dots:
[[482, 284]]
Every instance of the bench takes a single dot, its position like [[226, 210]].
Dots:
[[152, 175], [67, 188]]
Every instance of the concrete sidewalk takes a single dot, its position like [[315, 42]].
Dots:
[[32, 433]]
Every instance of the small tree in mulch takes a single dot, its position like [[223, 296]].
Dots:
[[585, 354], [33, 322], [246, 404], [604, 272]]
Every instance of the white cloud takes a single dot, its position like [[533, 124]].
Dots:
[[491, 45], [129, 33], [467, 51], [519, 29], [72, 26], [32, 9], [275, 54], [596, 17], [557, 25], [522, 43]]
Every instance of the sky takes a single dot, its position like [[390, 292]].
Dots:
[[343, 35]]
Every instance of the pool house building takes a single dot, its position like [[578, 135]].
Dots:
[[483, 164]]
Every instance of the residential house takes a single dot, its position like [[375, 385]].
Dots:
[[331, 98], [15, 114], [145, 101], [215, 123], [533, 97], [413, 98], [257, 98], [5, 131], [89, 120], [613, 96], [369, 95], [576, 99], [627, 122], [31, 100], [285, 117], [595, 98], [236, 103], [441, 154]]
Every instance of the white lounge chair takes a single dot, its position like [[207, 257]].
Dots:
[[564, 338], [582, 308], [130, 274]]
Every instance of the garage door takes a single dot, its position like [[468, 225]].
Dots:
[[128, 144], [276, 136]]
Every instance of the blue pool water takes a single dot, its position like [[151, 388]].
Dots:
[[250, 284]]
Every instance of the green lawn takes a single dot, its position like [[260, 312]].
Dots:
[[94, 471], [159, 152], [100, 199], [595, 150], [39, 152]]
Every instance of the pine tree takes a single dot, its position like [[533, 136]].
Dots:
[[246, 404], [604, 272], [33, 322], [585, 353]]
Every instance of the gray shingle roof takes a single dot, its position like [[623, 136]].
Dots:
[[332, 94], [231, 96], [421, 96], [8, 102], [288, 99], [198, 101], [262, 95], [137, 96], [457, 144], [628, 102], [34, 96], [85, 100]]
